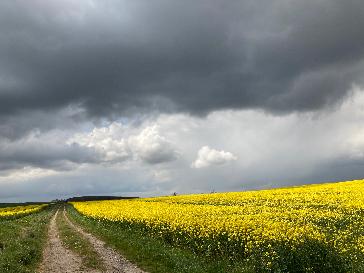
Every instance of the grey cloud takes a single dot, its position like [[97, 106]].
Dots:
[[69, 66], [43, 153], [67, 149], [121, 56], [270, 151], [90, 181], [16, 126], [160, 157]]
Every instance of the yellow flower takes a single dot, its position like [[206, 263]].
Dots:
[[330, 213]]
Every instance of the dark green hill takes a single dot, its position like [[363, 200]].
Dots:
[[97, 198]]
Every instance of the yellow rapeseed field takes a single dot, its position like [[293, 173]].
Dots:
[[323, 222], [20, 210]]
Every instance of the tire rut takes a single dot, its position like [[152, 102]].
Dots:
[[114, 262], [57, 258]]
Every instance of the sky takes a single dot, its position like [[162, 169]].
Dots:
[[148, 98]]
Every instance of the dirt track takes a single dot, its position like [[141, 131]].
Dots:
[[58, 259]]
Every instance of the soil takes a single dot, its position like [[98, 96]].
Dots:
[[58, 259]]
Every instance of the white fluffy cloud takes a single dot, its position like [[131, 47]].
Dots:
[[107, 141], [207, 157], [259, 151], [117, 143], [151, 147]]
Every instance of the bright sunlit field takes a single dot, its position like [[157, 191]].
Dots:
[[317, 228]]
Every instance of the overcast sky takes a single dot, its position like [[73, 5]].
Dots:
[[145, 98]]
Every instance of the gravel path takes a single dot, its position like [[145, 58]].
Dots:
[[58, 259], [113, 261]]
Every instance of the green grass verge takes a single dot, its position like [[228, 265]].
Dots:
[[22, 241], [153, 254], [74, 241]]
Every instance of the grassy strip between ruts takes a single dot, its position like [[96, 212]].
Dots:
[[74, 241], [152, 254], [22, 241]]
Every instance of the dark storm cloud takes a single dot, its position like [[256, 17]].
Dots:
[[339, 169], [18, 125], [45, 155], [193, 56]]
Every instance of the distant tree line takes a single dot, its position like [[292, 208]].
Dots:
[[97, 198]]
